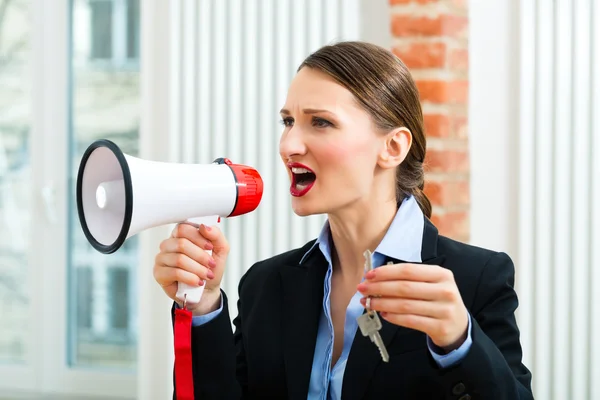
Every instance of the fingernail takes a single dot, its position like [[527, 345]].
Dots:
[[370, 275], [208, 246], [201, 282], [361, 287], [208, 228], [212, 263], [363, 301], [210, 274]]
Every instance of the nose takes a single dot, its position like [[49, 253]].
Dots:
[[291, 143]]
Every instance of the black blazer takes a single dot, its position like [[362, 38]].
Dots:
[[270, 354]]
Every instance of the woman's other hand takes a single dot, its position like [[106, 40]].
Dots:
[[419, 296]]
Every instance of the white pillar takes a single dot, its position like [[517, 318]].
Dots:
[[155, 347], [493, 123]]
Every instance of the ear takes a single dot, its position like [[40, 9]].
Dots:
[[395, 148]]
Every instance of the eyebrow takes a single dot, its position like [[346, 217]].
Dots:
[[306, 111]]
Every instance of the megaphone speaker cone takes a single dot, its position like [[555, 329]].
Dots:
[[104, 196]]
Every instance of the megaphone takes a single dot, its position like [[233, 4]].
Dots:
[[119, 195]]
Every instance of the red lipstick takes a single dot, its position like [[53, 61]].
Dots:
[[303, 179]]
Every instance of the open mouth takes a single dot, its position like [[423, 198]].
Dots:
[[303, 178]]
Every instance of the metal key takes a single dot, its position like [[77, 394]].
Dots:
[[369, 322]]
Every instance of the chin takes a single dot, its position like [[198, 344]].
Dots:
[[303, 210]]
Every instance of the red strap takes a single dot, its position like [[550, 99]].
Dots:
[[184, 379]]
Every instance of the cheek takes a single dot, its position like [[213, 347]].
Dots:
[[347, 159]]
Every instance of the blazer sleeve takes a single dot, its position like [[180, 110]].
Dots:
[[493, 368], [218, 361]]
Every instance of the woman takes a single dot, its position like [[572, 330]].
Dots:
[[353, 145]]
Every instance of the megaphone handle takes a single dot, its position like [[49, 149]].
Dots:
[[192, 294]]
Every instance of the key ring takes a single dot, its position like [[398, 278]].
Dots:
[[368, 306]]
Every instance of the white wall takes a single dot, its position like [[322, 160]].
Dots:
[[215, 75], [493, 123], [535, 150]]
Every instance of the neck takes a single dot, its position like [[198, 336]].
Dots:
[[355, 230]]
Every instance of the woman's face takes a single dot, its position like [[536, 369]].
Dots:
[[329, 145]]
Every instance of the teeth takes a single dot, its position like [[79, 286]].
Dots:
[[300, 171]]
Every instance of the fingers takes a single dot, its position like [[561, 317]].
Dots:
[[401, 289], [190, 249], [191, 233], [410, 272], [167, 276], [410, 306], [214, 235], [421, 323], [180, 267]]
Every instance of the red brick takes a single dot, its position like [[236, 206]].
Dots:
[[447, 161], [452, 92], [452, 224], [460, 127], [437, 125], [448, 193], [435, 192], [459, 60], [462, 193], [424, 28], [460, 4], [433, 91], [404, 25], [458, 92], [422, 54], [454, 25]]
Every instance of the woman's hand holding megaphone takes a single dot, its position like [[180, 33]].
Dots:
[[184, 257]]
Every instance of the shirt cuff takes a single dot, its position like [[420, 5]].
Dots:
[[455, 356], [206, 318]]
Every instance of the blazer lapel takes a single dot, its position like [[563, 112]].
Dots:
[[302, 303], [364, 356]]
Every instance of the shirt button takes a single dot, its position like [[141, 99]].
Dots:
[[459, 388]]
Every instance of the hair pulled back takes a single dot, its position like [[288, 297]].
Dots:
[[384, 87]]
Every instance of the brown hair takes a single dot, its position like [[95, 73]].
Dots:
[[384, 87]]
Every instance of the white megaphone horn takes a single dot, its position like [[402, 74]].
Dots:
[[119, 195]]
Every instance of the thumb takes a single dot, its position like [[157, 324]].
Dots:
[[217, 238]]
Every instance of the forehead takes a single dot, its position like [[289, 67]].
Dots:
[[313, 88]]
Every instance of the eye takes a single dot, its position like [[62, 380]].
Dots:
[[321, 123], [287, 121]]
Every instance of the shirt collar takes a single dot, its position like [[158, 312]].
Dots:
[[402, 241]]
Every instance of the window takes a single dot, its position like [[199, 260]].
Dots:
[[69, 314], [105, 104], [107, 32]]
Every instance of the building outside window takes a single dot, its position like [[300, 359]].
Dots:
[[104, 105]]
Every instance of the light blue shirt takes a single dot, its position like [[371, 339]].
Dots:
[[402, 241]]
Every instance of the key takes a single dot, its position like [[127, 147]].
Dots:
[[368, 260], [369, 323]]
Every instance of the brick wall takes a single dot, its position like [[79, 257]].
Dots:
[[431, 37]]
